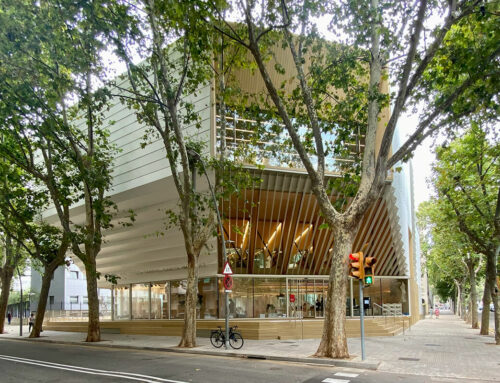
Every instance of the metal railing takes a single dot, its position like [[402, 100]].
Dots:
[[393, 311], [254, 142]]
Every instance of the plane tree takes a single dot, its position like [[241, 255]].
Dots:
[[450, 259], [22, 202], [51, 111], [337, 94], [467, 184]]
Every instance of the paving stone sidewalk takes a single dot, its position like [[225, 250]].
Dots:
[[446, 347]]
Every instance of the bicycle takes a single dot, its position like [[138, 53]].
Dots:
[[218, 338]]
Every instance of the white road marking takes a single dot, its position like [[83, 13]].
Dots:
[[346, 374], [331, 380], [91, 371]]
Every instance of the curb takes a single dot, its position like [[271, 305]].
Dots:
[[319, 361]]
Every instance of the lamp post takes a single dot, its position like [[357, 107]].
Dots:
[[194, 154]]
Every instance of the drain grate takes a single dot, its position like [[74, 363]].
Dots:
[[433, 345], [410, 359]]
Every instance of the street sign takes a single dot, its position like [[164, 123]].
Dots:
[[228, 282], [227, 269], [292, 298]]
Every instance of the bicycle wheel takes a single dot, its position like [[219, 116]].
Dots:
[[217, 339], [236, 340]]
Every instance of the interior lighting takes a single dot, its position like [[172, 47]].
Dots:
[[274, 234]]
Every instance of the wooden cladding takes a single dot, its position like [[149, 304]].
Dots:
[[276, 228]]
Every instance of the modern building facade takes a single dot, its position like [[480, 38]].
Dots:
[[277, 246], [68, 292]]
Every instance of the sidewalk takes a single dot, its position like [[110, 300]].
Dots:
[[444, 347]]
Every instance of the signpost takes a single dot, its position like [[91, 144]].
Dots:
[[228, 285]]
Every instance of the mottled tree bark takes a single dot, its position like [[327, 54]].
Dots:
[[491, 275], [473, 295], [93, 329], [485, 315], [188, 338], [335, 310], [42, 301], [6, 274]]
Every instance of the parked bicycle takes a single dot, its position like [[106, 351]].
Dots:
[[218, 338]]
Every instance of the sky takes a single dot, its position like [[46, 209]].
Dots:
[[422, 160]]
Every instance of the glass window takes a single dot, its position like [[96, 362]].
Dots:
[[73, 274], [122, 300], [178, 299], [85, 300], [206, 307], [394, 294], [104, 303], [240, 299], [73, 299], [140, 301], [51, 300], [160, 301], [269, 298]]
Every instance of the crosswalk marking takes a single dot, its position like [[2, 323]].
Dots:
[[346, 374], [331, 380]]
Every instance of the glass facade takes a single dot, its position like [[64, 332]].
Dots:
[[140, 301], [160, 298], [257, 297], [122, 302]]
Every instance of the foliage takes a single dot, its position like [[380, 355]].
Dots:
[[329, 97]]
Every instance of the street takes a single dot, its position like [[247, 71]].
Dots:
[[22, 361]]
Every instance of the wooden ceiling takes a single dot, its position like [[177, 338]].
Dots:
[[275, 228]]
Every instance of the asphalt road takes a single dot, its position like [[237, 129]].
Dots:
[[22, 361]]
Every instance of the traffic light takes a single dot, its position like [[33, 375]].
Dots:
[[368, 270], [356, 269]]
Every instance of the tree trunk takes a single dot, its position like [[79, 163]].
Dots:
[[334, 339], [458, 306], [6, 278], [463, 314], [496, 305], [188, 338], [485, 315], [94, 329], [473, 296], [42, 302]]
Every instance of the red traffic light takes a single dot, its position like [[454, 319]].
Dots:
[[356, 268]]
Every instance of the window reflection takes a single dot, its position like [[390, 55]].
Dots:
[[140, 301], [240, 299], [269, 298], [206, 307], [122, 303], [178, 299], [160, 301]]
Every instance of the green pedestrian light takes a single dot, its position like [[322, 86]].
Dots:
[[368, 280]]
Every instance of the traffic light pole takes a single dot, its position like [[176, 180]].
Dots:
[[362, 319]]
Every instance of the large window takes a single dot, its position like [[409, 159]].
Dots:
[[160, 298], [206, 307], [140, 301], [178, 299], [122, 302], [240, 299], [269, 298]]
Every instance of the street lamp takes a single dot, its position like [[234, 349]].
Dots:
[[194, 154]]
